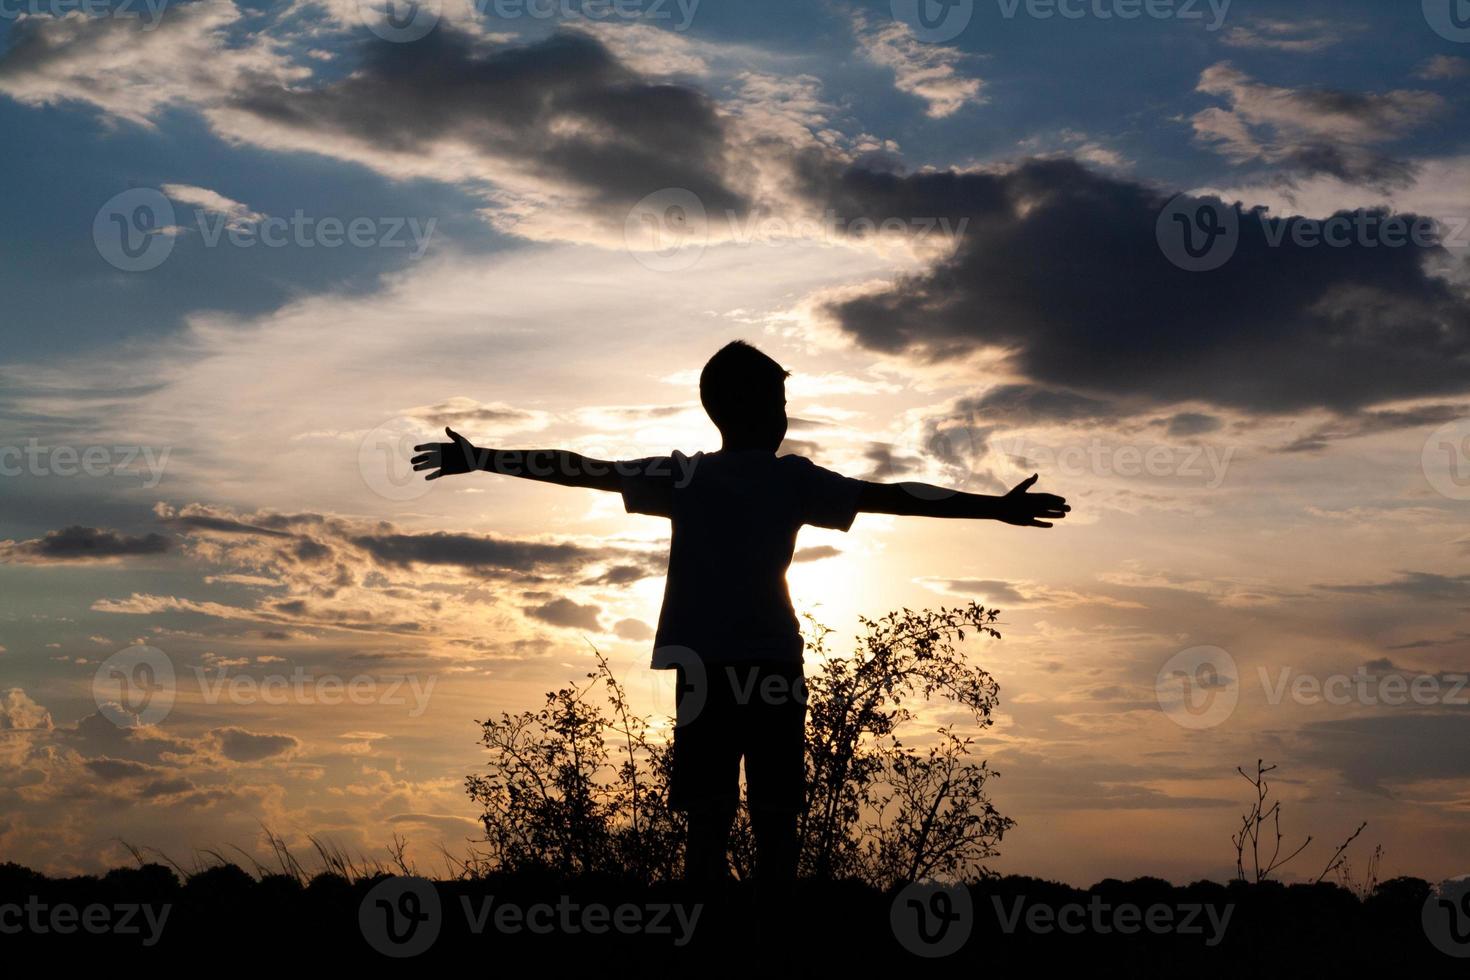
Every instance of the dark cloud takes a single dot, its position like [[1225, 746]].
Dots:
[[887, 463], [117, 769], [473, 551], [239, 745], [993, 590], [1021, 404], [1306, 132], [625, 573], [79, 543], [565, 107], [1371, 422], [816, 553], [1377, 752], [221, 525], [1427, 586], [1187, 424], [1061, 268], [566, 613]]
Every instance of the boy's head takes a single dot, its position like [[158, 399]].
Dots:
[[744, 392]]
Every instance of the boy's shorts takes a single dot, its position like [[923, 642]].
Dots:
[[750, 709]]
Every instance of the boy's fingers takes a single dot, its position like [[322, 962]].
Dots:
[[1039, 524], [434, 475], [426, 457]]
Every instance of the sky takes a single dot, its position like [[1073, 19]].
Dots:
[[1202, 266]]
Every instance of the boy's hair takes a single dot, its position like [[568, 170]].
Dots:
[[730, 378]]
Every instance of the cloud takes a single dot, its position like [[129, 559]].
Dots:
[[474, 551], [1295, 37], [568, 614], [927, 71], [19, 713], [1444, 67], [887, 464], [1024, 404], [80, 543], [240, 745], [632, 629], [1060, 274], [236, 215], [1362, 424], [1187, 424], [1378, 752], [1311, 131], [460, 412], [133, 68], [558, 123], [815, 553], [1423, 586]]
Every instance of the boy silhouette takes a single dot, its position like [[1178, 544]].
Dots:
[[727, 624]]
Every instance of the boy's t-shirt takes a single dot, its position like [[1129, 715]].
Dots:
[[735, 517]]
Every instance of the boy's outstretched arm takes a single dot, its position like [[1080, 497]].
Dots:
[[922, 500], [547, 465]]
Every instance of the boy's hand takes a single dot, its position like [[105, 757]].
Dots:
[[447, 458], [1026, 509]]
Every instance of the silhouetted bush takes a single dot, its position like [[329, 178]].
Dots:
[[581, 785]]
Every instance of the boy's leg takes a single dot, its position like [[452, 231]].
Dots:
[[705, 782], [775, 772], [775, 845], [707, 852]]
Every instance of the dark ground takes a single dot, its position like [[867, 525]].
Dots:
[[224, 916]]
